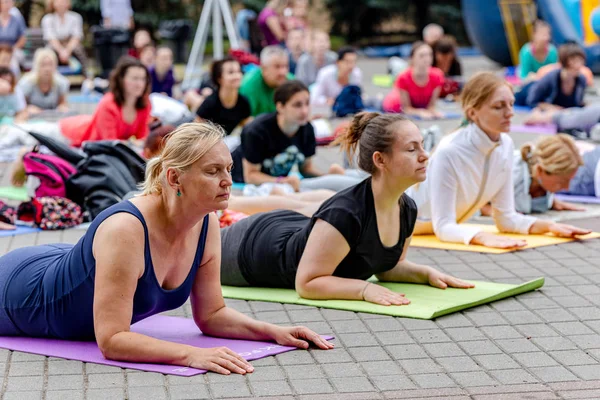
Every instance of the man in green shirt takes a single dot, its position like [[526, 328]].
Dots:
[[259, 84]]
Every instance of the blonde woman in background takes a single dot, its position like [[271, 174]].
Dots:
[[44, 88], [139, 258], [542, 169], [472, 167]]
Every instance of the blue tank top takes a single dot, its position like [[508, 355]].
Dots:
[[50, 292]]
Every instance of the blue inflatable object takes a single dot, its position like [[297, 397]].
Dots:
[[484, 25], [485, 28], [596, 21]]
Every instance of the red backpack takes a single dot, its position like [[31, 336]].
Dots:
[[52, 171]]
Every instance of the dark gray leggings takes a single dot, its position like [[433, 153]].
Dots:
[[231, 239]]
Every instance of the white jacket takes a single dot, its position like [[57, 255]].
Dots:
[[455, 175]]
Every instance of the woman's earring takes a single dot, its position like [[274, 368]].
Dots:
[[178, 193]]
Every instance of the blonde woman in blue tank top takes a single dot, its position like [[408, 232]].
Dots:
[[139, 258]]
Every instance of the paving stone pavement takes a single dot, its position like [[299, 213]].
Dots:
[[539, 345], [544, 344]]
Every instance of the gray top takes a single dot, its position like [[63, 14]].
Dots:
[[307, 70], [524, 203], [45, 101], [12, 103]]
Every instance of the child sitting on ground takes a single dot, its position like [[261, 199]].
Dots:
[[141, 39], [161, 73], [148, 55], [12, 101]]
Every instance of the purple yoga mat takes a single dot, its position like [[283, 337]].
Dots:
[[542, 129], [577, 199], [172, 329]]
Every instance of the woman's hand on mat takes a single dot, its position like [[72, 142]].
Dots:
[[219, 359], [299, 336], [436, 114], [378, 294], [564, 206], [442, 281], [500, 242], [567, 231]]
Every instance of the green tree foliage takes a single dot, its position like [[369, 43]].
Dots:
[[361, 19], [147, 13]]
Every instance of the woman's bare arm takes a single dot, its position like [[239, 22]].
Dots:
[[119, 252]]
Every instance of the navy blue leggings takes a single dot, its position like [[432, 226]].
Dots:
[[7, 264]]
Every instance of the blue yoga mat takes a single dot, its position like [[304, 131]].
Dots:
[[447, 115], [21, 230], [523, 109], [84, 99]]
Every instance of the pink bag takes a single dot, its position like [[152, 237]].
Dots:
[[52, 171]]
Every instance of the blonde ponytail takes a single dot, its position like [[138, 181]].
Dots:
[[557, 155], [153, 179]]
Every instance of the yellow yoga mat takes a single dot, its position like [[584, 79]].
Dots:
[[533, 241]]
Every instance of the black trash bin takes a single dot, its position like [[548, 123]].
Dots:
[[176, 33], [110, 45]]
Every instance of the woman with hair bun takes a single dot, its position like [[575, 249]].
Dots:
[[361, 231], [139, 258]]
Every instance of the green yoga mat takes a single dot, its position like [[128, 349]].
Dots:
[[13, 193], [386, 81], [426, 302]]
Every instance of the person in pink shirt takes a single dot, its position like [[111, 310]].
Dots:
[[271, 22], [122, 113], [417, 89]]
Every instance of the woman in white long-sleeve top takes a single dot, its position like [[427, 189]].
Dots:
[[472, 167]]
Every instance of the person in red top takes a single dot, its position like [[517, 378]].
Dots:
[[417, 89], [122, 113]]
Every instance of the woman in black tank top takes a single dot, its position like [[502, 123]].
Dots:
[[362, 231]]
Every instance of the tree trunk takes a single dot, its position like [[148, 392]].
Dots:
[[25, 8], [422, 14]]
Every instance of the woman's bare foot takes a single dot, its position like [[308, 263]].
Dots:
[[277, 191], [18, 176]]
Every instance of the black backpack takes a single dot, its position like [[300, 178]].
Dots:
[[106, 172], [349, 101], [110, 171]]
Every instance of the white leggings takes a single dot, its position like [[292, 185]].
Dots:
[[11, 136], [333, 182]]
